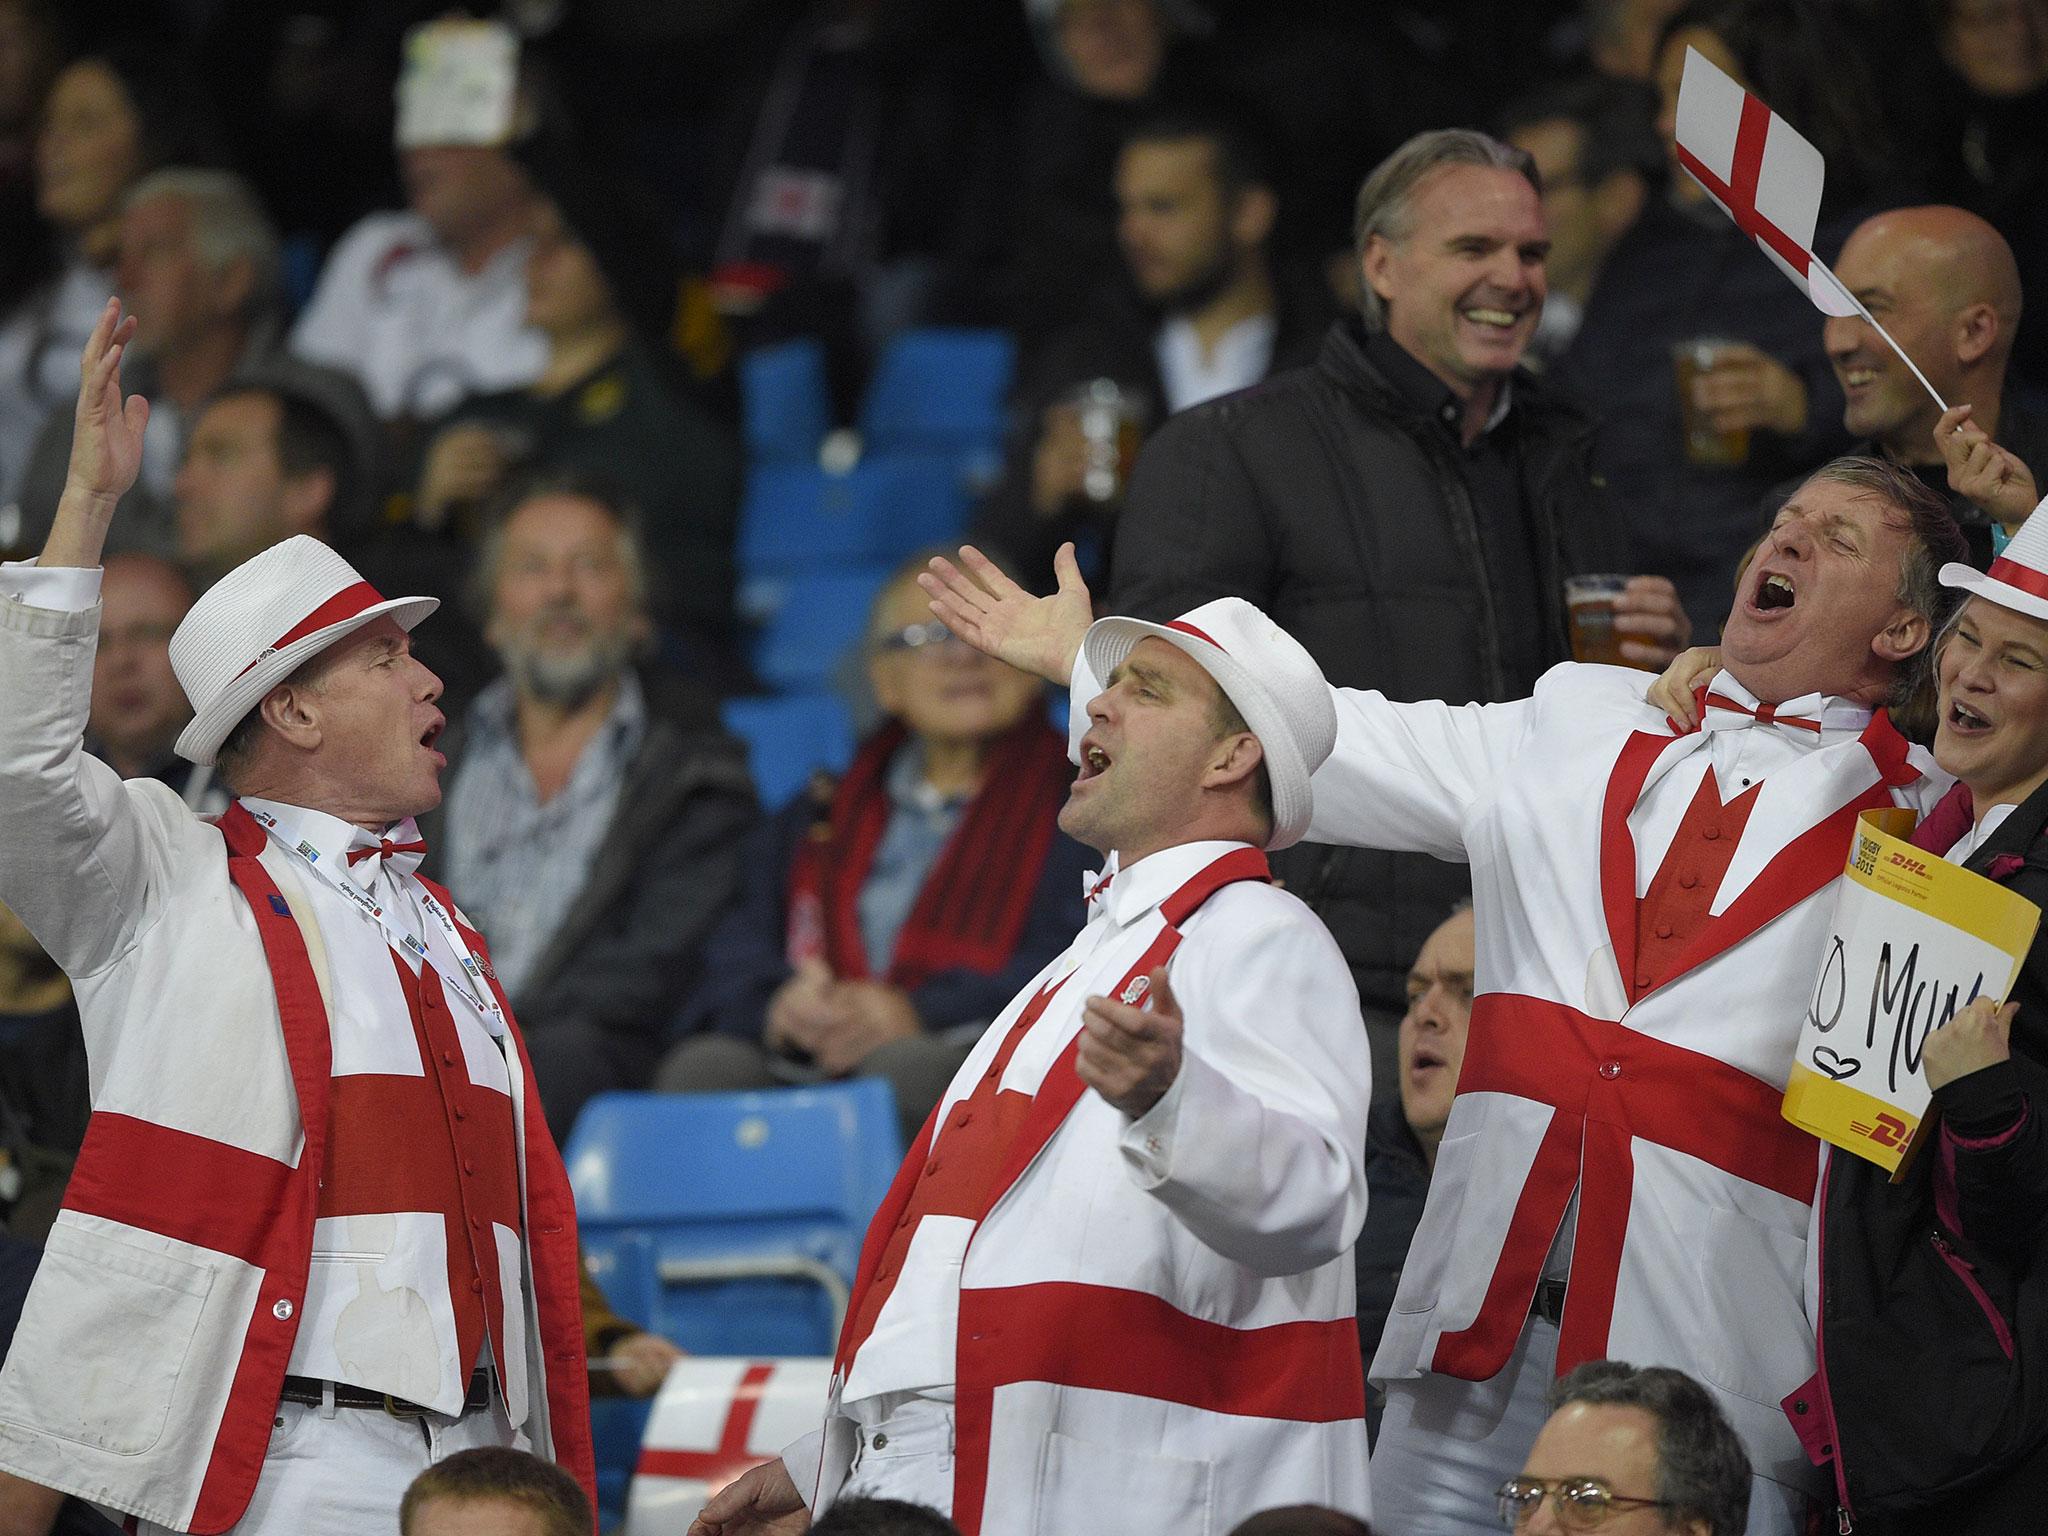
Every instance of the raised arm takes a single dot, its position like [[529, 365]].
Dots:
[[75, 859], [106, 448]]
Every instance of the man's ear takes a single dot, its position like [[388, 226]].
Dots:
[[287, 709], [234, 287], [1252, 216], [308, 500], [1975, 329], [1905, 637], [1235, 759], [1377, 261]]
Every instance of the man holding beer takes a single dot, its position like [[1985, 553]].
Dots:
[[1408, 506]]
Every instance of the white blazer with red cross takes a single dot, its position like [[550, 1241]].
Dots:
[[1657, 1104], [1154, 1317], [146, 1369]]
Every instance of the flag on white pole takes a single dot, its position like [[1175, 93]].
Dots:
[[1767, 178]]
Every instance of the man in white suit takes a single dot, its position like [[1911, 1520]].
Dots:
[[1615, 1178], [1111, 1281], [317, 1236]]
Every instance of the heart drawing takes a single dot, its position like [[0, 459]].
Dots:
[[1835, 1065]]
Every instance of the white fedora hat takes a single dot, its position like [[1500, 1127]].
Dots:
[[2018, 579], [261, 622], [1264, 671]]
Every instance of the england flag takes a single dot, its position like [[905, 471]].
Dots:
[[1762, 172]]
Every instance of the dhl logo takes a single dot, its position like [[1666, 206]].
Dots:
[[1910, 866], [1889, 1131]]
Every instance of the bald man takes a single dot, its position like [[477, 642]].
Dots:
[[1945, 284]]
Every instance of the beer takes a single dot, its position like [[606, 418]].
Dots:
[[1703, 445], [1589, 600], [1113, 423]]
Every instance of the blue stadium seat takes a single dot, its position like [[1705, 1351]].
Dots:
[[819, 616], [788, 738], [939, 390], [785, 402], [799, 517], [732, 1222]]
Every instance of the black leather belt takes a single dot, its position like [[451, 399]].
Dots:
[[1549, 1301], [312, 1392]]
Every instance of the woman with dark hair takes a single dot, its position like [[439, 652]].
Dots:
[[111, 116]]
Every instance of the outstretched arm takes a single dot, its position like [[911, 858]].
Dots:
[[106, 447]]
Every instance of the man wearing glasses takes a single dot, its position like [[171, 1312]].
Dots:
[[1630, 1451]]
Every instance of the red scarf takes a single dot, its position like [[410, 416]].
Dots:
[[970, 913]]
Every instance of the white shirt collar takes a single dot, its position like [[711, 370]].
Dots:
[[325, 840], [1980, 834], [1142, 886], [1834, 714]]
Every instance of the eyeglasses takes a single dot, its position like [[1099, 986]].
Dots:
[[1580, 1503], [919, 637]]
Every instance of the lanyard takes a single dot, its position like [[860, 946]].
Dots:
[[470, 982]]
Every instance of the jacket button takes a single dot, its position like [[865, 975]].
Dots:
[[1799, 1405], [476, 1287], [281, 1310], [447, 1058], [1688, 880], [1610, 1069], [881, 1441], [1663, 930], [963, 1117], [1711, 834]]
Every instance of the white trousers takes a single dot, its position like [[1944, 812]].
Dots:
[[905, 1452], [341, 1471], [1446, 1445]]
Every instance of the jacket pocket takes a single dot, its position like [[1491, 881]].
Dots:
[[1750, 1331], [1430, 1250], [1079, 1481], [1966, 1272], [103, 1342]]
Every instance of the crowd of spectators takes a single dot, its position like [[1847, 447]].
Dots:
[[1498, 338]]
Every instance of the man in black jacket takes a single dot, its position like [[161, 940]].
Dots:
[[595, 810], [1408, 507]]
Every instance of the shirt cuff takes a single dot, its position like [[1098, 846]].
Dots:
[[1147, 1142], [61, 588]]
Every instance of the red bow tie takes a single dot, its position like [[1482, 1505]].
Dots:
[[384, 849], [1763, 714]]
